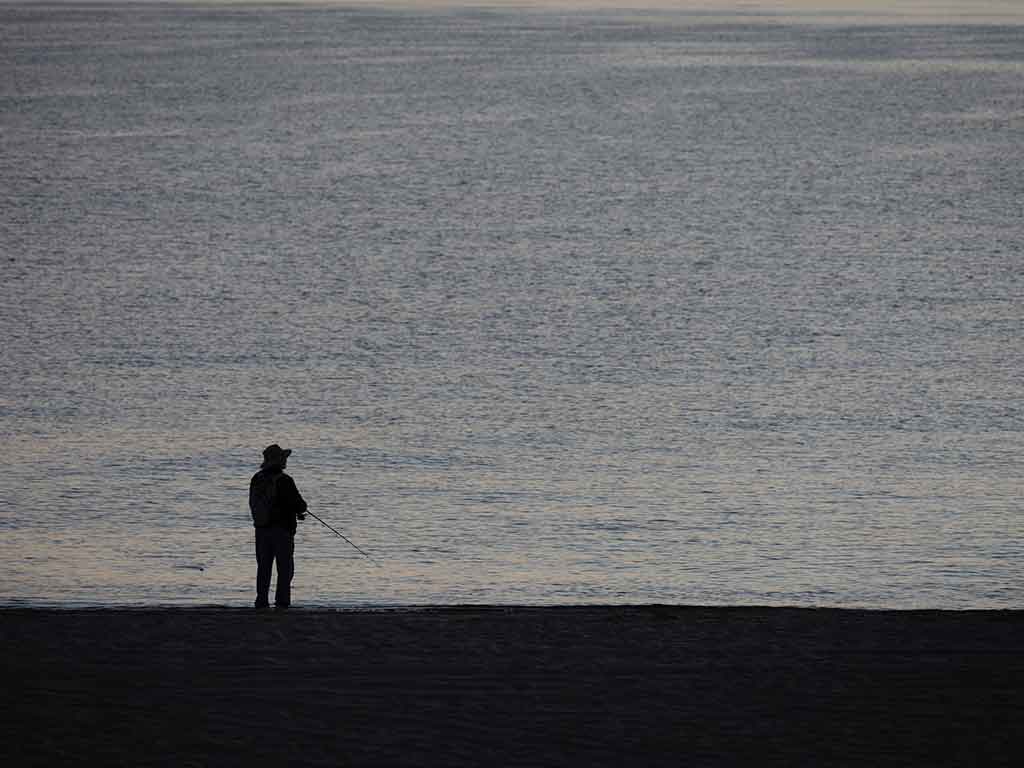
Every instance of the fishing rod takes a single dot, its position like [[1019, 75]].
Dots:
[[343, 536]]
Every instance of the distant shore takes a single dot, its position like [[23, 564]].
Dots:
[[643, 686]]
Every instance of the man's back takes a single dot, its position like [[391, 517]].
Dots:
[[274, 494]]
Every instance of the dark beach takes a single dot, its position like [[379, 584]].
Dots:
[[586, 686]]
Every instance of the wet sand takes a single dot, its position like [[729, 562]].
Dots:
[[591, 686]]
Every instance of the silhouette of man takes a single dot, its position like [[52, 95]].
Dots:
[[275, 504]]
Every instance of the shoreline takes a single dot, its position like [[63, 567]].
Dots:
[[512, 685], [486, 607], [298, 608]]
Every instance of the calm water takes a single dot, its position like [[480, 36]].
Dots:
[[553, 307]]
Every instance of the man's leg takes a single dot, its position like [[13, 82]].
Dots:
[[285, 567], [264, 563]]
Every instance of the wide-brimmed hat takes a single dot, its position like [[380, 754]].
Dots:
[[275, 454]]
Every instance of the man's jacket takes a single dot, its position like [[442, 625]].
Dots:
[[288, 502]]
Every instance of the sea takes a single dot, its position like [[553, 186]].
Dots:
[[709, 303]]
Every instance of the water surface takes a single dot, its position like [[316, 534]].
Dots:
[[553, 307]]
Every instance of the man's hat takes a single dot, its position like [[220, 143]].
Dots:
[[275, 454]]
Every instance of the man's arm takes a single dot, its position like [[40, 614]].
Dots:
[[293, 499]]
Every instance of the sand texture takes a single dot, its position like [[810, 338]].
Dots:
[[592, 686]]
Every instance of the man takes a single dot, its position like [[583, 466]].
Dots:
[[275, 504]]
